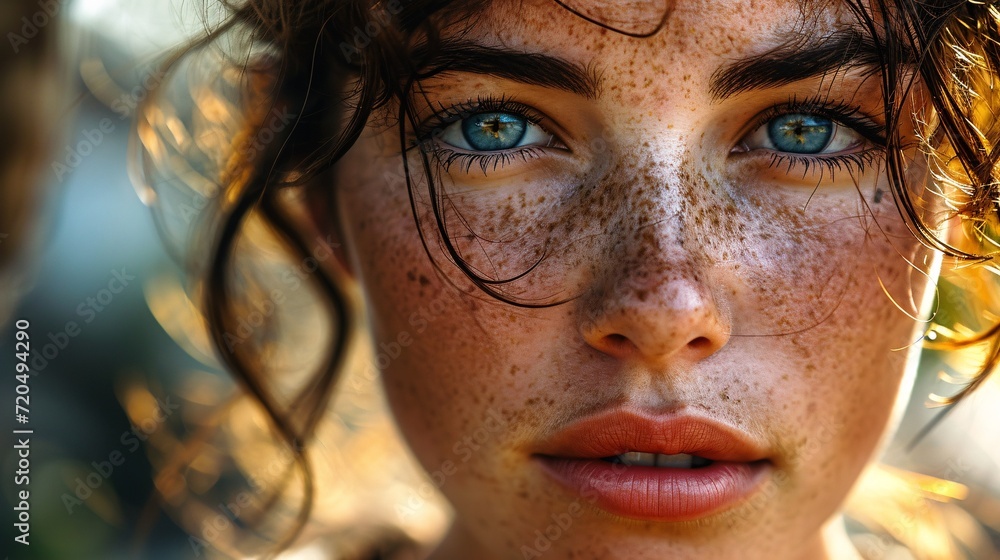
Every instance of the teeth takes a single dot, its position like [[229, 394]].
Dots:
[[678, 461], [638, 459]]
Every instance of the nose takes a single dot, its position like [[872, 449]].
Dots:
[[659, 312]]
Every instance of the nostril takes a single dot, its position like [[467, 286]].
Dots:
[[700, 343], [617, 341]]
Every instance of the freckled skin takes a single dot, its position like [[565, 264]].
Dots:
[[697, 279]]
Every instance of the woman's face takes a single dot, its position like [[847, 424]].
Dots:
[[710, 208]]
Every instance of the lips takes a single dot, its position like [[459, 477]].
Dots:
[[607, 459]]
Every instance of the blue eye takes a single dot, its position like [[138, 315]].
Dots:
[[800, 133], [494, 131]]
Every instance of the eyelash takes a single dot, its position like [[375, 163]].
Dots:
[[486, 161], [840, 113]]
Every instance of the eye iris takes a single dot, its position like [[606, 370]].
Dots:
[[494, 131], [800, 134]]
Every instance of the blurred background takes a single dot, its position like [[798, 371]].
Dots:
[[121, 373], [93, 230]]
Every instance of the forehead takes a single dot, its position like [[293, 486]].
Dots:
[[691, 27]]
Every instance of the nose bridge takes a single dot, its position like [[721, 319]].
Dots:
[[660, 262], [652, 289], [663, 209], [654, 298]]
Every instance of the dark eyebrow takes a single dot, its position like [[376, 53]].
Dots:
[[799, 60], [524, 67]]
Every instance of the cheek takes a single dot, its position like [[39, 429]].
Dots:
[[442, 345], [833, 294]]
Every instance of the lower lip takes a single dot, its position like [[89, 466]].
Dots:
[[656, 493]]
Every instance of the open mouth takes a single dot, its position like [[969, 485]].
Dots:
[[666, 467], [640, 459]]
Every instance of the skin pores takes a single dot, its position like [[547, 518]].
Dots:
[[696, 278]]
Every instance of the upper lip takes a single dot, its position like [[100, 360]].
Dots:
[[616, 431]]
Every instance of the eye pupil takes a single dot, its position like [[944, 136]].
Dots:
[[494, 131], [800, 133]]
